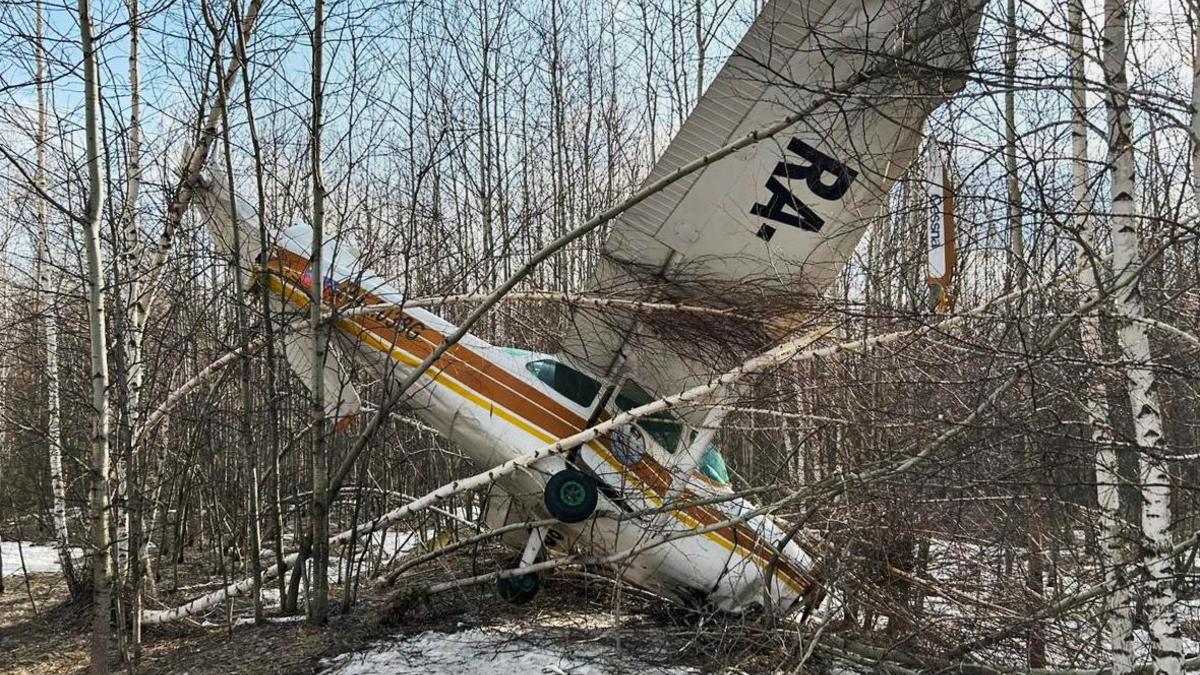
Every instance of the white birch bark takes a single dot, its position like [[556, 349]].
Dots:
[[131, 478], [142, 295], [1156, 564], [101, 563], [192, 166], [1108, 496], [58, 493]]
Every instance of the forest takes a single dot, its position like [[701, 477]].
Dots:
[[570, 336]]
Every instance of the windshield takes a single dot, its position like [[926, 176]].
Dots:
[[712, 464], [663, 426]]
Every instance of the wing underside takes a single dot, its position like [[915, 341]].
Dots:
[[763, 232]]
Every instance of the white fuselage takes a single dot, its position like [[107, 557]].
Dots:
[[491, 403]]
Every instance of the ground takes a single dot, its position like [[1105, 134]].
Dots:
[[578, 624], [572, 627]]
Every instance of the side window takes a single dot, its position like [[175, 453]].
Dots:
[[664, 427], [567, 381]]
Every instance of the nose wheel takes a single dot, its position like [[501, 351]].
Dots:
[[520, 589], [571, 496]]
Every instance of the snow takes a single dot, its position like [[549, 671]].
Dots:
[[39, 558], [479, 651], [249, 621], [978, 571]]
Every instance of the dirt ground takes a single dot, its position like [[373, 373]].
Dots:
[[55, 639]]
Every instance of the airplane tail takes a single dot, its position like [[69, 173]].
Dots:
[[766, 230], [230, 218], [342, 401], [233, 223]]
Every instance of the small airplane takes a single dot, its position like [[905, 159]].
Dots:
[[780, 214]]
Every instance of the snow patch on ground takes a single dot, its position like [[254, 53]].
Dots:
[[249, 621], [981, 572], [39, 559], [491, 651]]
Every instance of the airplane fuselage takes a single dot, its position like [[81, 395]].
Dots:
[[497, 404]]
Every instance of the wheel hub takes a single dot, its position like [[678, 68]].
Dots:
[[572, 493]]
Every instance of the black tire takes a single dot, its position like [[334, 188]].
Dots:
[[571, 496], [520, 589]]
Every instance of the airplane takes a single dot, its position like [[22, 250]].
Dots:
[[779, 216]]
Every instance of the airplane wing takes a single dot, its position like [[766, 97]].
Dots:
[[773, 224]]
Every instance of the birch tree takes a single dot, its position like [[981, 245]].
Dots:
[[472, 135], [1194, 7], [99, 502], [318, 607], [58, 496], [1156, 564], [132, 480], [1088, 265], [1015, 210]]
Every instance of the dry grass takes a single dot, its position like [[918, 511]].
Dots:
[[55, 640], [572, 607]]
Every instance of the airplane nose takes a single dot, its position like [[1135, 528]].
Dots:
[[786, 567], [773, 570]]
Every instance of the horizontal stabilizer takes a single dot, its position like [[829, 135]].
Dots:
[[342, 401], [219, 206]]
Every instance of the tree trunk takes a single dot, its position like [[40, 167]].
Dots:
[[58, 494], [318, 603], [268, 330], [1195, 126], [1015, 210], [1034, 581], [134, 375], [1156, 564], [243, 333], [1088, 268], [101, 563]]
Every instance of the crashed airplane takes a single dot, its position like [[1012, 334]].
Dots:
[[780, 216]]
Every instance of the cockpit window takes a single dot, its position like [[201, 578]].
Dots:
[[567, 381], [712, 464], [664, 427]]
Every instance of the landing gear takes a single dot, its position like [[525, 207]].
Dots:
[[571, 496], [521, 588]]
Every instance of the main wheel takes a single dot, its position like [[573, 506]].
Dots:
[[571, 496], [519, 590]]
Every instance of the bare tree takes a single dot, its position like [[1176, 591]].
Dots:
[[58, 498], [1157, 563], [318, 607], [1089, 265], [99, 502], [959, 474]]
